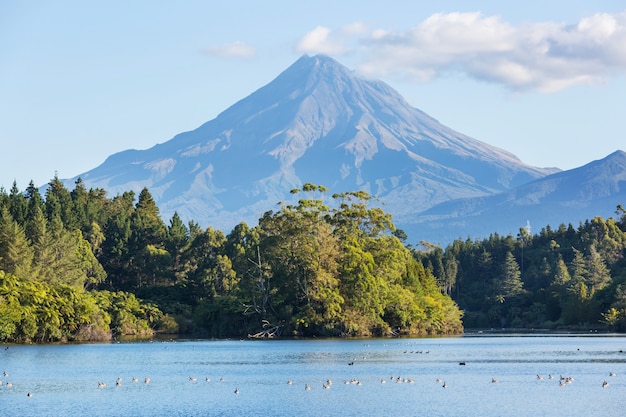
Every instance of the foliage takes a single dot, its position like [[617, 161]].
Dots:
[[36, 311], [564, 278], [78, 265], [47, 268]]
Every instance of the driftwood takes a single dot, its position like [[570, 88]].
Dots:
[[266, 334]]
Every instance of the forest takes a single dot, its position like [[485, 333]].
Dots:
[[569, 278], [79, 266], [82, 266]]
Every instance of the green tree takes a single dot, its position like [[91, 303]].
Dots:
[[147, 260], [615, 317], [115, 247], [41, 242], [598, 275], [59, 202], [95, 236], [450, 270], [302, 252], [16, 255], [177, 240], [35, 202], [575, 310], [18, 206], [561, 280], [510, 283], [80, 206], [203, 262]]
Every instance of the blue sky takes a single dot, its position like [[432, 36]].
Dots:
[[82, 80]]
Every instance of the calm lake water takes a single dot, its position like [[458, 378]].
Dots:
[[63, 379]]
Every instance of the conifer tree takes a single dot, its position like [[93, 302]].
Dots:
[[59, 202], [177, 241], [35, 202], [79, 207], [510, 284], [598, 275], [146, 247], [16, 255], [18, 206]]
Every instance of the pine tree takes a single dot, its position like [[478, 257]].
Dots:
[[18, 206], [146, 243], [177, 241], [35, 202], [510, 284], [41, 241], [598, 275], [16, 255], [59, 202], [80, 198]]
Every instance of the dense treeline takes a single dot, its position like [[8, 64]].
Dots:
[[78, 265], [564, 278], [50, 274]]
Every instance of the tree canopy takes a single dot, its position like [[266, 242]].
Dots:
[[570, 278], [79, 265]]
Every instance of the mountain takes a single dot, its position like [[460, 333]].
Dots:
[[580, 194], [316, 122]]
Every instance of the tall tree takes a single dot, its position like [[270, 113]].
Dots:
[[41, 241], [202, 259], [79, 207], [177, 241], [146, 242], [35, 202], [302, 254], [16, 255], [598, 275], [115, 249], [18, 206], [450, 269], [147, 227], [59, 202], [510, 284]]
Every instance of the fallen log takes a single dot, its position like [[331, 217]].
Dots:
[[266, 334]]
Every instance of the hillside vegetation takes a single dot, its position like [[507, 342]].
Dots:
[[78, 265], [562, 278]]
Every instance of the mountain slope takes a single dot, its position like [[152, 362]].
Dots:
[[594, 189], [316, 122]]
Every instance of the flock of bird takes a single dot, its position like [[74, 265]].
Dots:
[[9, 384], [562, 380], [147, 380], [118, 382]]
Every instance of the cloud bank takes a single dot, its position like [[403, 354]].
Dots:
[[545, 56]]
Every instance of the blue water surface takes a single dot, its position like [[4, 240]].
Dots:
[[536, 376]]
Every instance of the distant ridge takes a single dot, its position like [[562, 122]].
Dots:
[[580, 194], [316, 122]]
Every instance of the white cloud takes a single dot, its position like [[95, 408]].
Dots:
[[319, 41], [323, 40], [543, 56], [235, 49]]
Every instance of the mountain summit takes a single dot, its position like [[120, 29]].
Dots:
[[316, 122]]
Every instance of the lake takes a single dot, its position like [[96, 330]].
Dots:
[[373, 377]]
